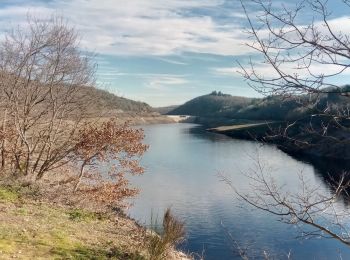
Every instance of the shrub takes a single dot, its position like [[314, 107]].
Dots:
[[159, 246]]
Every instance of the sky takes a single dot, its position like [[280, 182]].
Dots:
[[163, 52]]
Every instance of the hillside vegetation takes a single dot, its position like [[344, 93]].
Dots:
[[164, 110], [35, 230], [304, 118], [32, 227], [221, 105], [298, 124], [103, 101], [212, 104]]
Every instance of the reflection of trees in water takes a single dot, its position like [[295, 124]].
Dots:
[[330, 171], [200, 132]]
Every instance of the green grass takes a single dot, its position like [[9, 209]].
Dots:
[[32, 229], [21, 211], [82, 252], [39, 230], [24, 247], [8, 195], [83, 215]]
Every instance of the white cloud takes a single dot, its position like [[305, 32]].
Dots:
[[21, 11], [266, 71], [228, 71], [176, 62], [148, 27], [142, 27], [162, 82], [154, 81]]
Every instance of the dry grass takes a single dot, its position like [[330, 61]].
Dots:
[[162, 246], [32, 228], [37, 230]]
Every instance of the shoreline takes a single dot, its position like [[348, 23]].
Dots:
[[295, 144], [40, 229], [137, 119]]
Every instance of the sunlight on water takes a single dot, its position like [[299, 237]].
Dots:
[[182, 167]]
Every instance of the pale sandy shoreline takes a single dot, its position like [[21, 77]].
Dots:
[[149, 118]]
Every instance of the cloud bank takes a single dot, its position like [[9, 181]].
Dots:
[[142, 27]]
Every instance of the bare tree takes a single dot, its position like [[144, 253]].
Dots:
[[300, 62], [308, 204], [45, 120], [296, 52], [41, 70]]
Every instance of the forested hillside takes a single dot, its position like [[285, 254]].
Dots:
[[103, 101], [268, 108], [93, 101], [211, 104], [164, 110]]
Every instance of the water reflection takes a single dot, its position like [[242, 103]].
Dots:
[[330, 171], [181, 171], [200, 132]]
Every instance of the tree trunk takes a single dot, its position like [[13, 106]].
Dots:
[[80, 176]]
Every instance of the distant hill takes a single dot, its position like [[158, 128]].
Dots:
[[102, 101], [278, 108], [270, 108], [94, 101], [211, 104], [218, 104], [165, 110], [264, 118]]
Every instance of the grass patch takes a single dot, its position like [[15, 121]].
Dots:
[[56, 244], [21, 211], [8, 194], [14, 192], [83, 215], [38, 230], [83, 252], [78, 252], [6, 246]]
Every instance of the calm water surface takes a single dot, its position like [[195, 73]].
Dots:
[[182, 167]]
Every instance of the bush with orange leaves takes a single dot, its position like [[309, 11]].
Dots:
[[108, 146]]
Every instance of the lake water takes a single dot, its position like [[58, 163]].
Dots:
[[182, 167]]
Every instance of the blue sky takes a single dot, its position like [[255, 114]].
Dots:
[[163, 52]]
